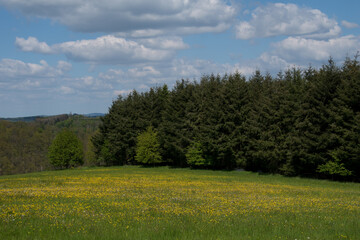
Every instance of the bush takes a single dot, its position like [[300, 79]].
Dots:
[[66, 150], [335, 167]]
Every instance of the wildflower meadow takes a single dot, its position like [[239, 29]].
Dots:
[[164, 203]]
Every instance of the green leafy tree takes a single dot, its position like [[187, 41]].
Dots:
[[148, 147], [194, 155], [66, 150], [335, 167], [106, 156]]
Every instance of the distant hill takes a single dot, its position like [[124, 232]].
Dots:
[[44, 117], [23, 119], [93, 115]]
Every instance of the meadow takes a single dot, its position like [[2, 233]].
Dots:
[[164, 203]]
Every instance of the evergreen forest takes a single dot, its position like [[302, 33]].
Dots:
[[302, 122]]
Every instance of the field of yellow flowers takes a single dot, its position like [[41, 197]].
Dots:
[[164, 203]]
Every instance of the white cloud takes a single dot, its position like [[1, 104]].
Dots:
[[349, 24], [31, 80], [32, 45], [169, 43], [15, 69], [90, 84], [278, 19], [143, 72], [129, 15], [66, 90], [297, 49], [64, 66], [182, 30], [122, 92], [110, 49]]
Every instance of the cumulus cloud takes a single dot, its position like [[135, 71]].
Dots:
[[277, 19], [11, 69], [129, 15], [349, 24], [32, 45], [303, 49], [109, 49], [31, 80]]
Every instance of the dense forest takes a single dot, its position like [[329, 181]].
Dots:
[[24, 142], [299, 123]]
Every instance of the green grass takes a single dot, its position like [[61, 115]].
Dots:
[[163, 203]]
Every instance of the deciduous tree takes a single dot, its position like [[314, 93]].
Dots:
[[66, 150], [148, 148]]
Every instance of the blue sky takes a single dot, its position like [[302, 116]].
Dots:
[[78, 55]]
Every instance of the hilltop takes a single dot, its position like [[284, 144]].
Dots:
[[44, 117]]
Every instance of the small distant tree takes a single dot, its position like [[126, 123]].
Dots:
[[66, 150], [335, 167], [194, 155], [148, 148]]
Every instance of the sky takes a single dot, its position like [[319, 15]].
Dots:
[[78, 56]]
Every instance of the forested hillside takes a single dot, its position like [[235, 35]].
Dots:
[[301, 122], [24, 145]]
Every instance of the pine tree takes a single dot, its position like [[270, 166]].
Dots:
[[344, 111], [176, 129]]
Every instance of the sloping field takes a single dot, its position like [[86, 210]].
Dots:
[[163, 203]]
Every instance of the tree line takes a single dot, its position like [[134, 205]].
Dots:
[[299, 123]]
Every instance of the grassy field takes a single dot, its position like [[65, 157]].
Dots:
[[163, 203]]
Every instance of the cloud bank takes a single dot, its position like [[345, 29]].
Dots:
[[108, 49], [16, 69], [131, 16]]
